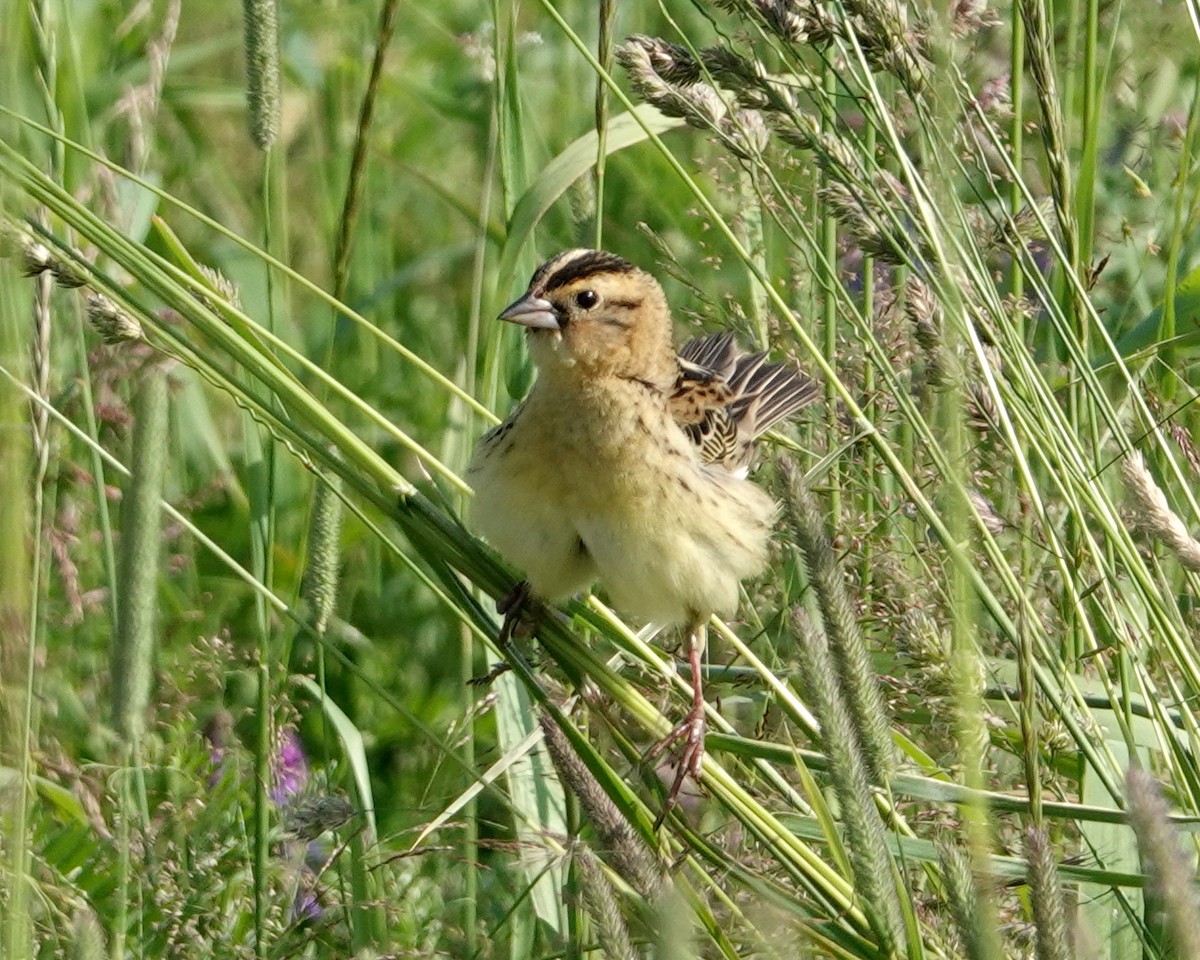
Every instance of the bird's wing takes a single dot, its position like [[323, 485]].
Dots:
[[766, 393], [495, 435], [724, 399], [717, 353]]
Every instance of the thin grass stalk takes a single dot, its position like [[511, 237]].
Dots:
[[17, 651], [829, 315], [1085, 187], [870, 504], [472, 378], [1031, 741], [358, 155], [262, 46], [141, 542], [259, 463], [606, 15], [471, 639], [1179, 219], [40, 368], [1016, 145], [1054, 138]]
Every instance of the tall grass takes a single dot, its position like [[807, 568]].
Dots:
[[976, 646]]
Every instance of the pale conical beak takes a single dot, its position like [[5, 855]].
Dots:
[[534, 312]]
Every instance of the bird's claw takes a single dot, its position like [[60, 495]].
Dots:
[[521, 614], [690, 760], [485, 679]]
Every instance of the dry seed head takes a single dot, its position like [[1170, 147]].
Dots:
[[982, 414], [847, 208], [1183, 439], [745, 134], [853, 211], [601, 901], [226, 289], [888, 42], [16, 240], [262, 69], [111, 322], [1053, 735], [920, 641], [67, 275], [625, 849], [672, 62], [970, 16], [1170, 877], [35, 259], [923, 311], [1154, 516], [1027, 224], [992, 521], [785, 19], [1048, 913], [995, 98], [731, 69], [1019, 307], [838, 157], [801, 130], [833, 153], [319, 585], [697, 103]]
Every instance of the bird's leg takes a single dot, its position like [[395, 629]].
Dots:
[[691, 730], [520, 617]]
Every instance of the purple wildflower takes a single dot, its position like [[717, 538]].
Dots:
[[291, 771]]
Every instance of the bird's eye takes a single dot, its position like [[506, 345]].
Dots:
[[587, 299]]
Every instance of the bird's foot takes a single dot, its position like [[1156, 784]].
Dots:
[[521, 610], [521, 613], [690, 758]]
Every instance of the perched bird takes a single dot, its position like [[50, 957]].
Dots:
[[627, 462]]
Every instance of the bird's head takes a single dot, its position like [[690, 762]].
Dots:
[[594, 314]]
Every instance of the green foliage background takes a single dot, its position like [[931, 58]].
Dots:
[[1003, 307]]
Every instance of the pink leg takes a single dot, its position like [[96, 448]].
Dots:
[[691, 730]]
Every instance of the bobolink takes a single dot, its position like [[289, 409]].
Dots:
[[627, 461]]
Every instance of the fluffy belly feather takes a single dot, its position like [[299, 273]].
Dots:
[[669, 537]]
